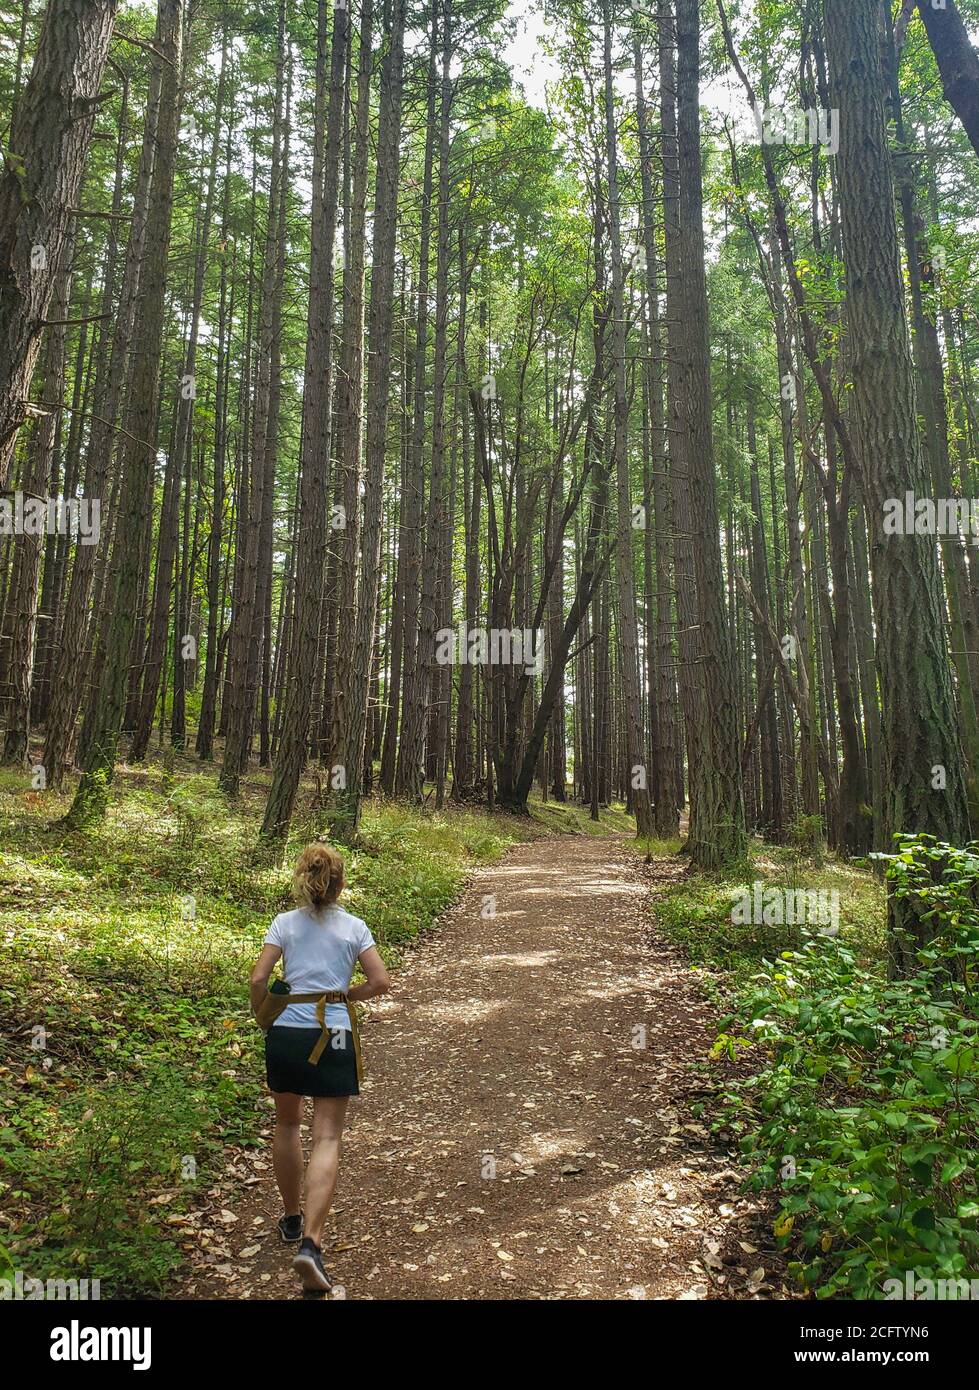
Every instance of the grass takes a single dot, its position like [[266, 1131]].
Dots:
[[659, 848], [132, 1061], [570, 818], [696, 914]]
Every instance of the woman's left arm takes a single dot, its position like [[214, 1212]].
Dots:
[[263, 969]]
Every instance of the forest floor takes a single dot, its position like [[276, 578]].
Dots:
[[514, 1137]]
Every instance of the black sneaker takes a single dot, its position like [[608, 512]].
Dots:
[[291, 1228], [308, 1264]]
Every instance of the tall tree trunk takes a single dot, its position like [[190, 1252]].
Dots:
[[919, 727], [958, 62], [772, 820], [314, 476], [205, 726], [185, 417], [408, 775], [73, 660], [716, 782], [20, 615], [688, 623], [350, 389], [464, 768], [624, 554], [663, 685], [138, 454], [248, 616], [43, 164], [380, 324], [421, 680]]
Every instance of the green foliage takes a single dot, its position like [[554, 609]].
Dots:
[[805, 835], [657, 848], [696, 915], [127, 1168], [861, 1110], [133, 1060], [569, 817], [940, 884]]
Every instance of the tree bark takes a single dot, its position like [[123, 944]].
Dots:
[[314, 477], [138, 455], [43, 165], [958, 62], [624, 556], [20, 612], [247, 620], [716, 782], [919, 727]]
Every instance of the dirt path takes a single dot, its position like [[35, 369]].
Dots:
[[514, 1138]]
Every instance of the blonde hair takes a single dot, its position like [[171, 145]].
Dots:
[[319, 877]]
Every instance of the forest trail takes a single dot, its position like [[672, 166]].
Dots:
[[508, 1040]]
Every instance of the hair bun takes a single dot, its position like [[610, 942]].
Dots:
[[319, 876]]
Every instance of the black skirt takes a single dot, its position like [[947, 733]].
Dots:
[[288, 1068]]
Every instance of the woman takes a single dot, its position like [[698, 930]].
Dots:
[[311, 1047]]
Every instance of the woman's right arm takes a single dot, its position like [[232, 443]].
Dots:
[[260, 975], [378, 979]]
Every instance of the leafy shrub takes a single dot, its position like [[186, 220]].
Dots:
[[805, 835], [122, 1143], [939, 884], [864, 1113], [697, 916]]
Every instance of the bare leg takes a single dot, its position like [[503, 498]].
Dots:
[[287, 1150], [324, 1162]]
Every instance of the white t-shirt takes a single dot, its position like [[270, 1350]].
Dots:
[[319, 952]]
